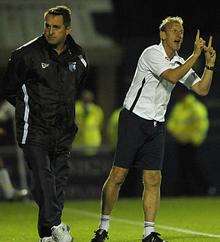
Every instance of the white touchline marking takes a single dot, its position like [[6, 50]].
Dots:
[[185, 231]]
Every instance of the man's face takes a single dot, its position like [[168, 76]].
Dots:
[[54, 30], [173, 37]]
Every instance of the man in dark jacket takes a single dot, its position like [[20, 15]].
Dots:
[[41, 81]]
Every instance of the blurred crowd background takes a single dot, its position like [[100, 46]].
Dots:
[[114, 33]]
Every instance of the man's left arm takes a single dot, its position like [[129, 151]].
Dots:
[[202, 87], [82, 70]]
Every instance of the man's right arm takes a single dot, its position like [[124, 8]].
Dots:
[[174, 75], [10, 81]]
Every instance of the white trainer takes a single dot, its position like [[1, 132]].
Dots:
[[47, 239], [61, 233]]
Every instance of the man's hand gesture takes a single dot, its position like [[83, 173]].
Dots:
[[210, 53], [199, 44]]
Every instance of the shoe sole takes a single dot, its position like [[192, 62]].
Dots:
[[72, 240]]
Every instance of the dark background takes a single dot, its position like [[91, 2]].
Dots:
[[132, 25]]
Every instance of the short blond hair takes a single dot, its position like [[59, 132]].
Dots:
[[169, 20]]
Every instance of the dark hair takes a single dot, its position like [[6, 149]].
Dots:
[[61, 10]]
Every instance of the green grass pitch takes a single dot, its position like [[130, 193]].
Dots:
[[179, 219]]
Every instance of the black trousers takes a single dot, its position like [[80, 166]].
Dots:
[[49, 174]]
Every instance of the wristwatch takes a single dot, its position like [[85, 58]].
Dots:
[[211, 68]]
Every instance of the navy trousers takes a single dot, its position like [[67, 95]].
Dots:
[[49, 174]]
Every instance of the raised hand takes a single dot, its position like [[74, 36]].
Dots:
[[199, 44], [210, 53]]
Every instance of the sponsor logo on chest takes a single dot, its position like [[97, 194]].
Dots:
[[72, 66]]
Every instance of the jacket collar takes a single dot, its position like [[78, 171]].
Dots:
[[72, 47]]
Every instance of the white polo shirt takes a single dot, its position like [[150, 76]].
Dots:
[[149, 93]]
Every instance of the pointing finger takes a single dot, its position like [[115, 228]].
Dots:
[[197, 35], [210, 42]]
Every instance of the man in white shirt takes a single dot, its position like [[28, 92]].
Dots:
[[141, 122]]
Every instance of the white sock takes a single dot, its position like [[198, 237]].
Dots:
[[104, 222], [148, 228], [5, 184]]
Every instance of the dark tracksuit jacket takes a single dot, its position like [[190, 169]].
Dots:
[[43, 86]]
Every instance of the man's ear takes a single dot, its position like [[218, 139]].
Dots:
[[162, 35]]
